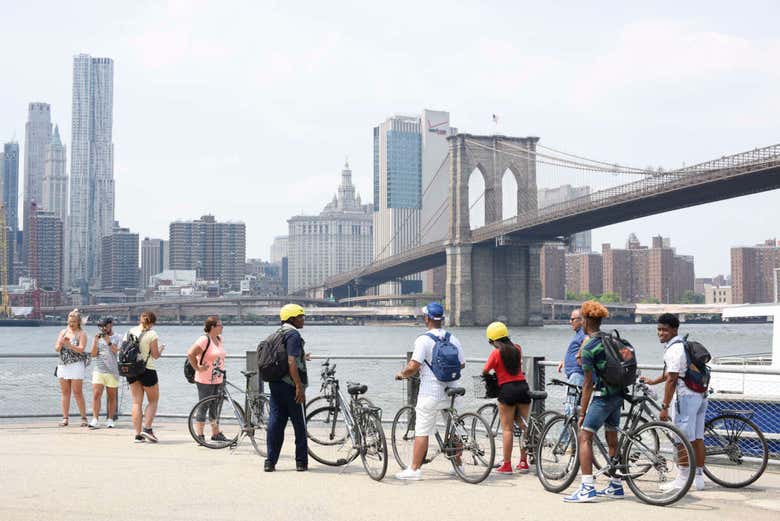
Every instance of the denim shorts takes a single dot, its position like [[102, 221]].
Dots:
[[689, 415], [603, 411]]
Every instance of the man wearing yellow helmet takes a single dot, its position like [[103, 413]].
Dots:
[[514, 399], [289, 393]]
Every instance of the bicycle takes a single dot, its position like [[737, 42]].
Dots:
[[348, 429], [533, 425], [736, 451], [327, 390], [464, 437], [232, 420], [644, 458]]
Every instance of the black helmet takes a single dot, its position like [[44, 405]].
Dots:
[[103, 322]]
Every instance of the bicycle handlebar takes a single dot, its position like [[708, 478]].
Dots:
[[556, 381]]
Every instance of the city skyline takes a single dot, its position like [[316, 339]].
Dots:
[[620, 123]]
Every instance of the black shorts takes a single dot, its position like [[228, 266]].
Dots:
[[512, 393], [148, 378]]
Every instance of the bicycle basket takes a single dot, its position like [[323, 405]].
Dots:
[[485, 386]]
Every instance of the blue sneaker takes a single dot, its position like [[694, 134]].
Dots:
[[584, 494], [613, 490]]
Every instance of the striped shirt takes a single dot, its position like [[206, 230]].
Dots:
[[594, 359]]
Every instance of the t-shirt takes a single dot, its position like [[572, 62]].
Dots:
[[675, 361], [423, 352], [146, 342], [594, 359], [293, 343], [106, 360], [214, 357], [496, 363], [570, 365]]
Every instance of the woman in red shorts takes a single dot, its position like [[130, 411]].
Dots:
[[514, 399]]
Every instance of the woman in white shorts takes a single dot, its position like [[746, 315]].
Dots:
[[71, 343], [106, 373]]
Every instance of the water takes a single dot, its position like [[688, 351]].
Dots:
[[28, 386]]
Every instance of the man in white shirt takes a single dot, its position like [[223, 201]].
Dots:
[[432, 396], [690, 406]]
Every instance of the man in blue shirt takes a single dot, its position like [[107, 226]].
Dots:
[[571, 363]]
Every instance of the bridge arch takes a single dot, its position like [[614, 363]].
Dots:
[[476, 188], [510, 194]]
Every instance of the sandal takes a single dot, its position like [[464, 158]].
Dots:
[[84, 422], [64, 422]]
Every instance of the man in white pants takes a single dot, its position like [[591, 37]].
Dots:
[[432, 396]]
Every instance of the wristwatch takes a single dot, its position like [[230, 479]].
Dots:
[[664, 406]]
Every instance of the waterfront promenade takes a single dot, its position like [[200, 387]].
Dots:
[[51, 473]]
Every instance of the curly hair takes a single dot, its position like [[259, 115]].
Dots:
[[593, 309]]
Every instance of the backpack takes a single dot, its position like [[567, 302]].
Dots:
[[621, 368], [445, 363], [130, 360], [189, 371], [697, 375], [272, 362]]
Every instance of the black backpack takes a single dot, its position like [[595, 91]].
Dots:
[[272, 362], [621, 368], [130, 360], [189, 371], [697, 375]]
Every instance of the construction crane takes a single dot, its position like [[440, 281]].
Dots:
[[5, 306]]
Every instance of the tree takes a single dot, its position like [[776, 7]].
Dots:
[[689, 297], [609, 298]]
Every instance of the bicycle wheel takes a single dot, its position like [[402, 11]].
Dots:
[[216, 410], [257, 426], [736, 451], [402, 435], [557, 461], [648, 458], [373, 451], [536, 423], [329, 442], [489, 413], [475, 452]]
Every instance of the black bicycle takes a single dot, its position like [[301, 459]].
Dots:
[[340, 432], [230, 417], [533, 425], [645, 459], [327, 388], [736, 451]]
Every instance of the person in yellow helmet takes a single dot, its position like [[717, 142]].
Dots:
[[289, 394], [514, 399]]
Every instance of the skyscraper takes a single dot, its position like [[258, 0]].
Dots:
[[37, 137], [91, 167], [120, 260], [154, 259], [753, 272], [9, 197], [46, 266], [55, 179], [339, 239]]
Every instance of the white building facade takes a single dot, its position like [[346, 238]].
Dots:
[[37, 136]]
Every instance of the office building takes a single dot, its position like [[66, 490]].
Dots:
[[37, 137], [584, 274], [717, 294], [215, 250], [579, 242], [9, 198], [339, 239], [552, 259], [279, 249], [54, 191], [119, 261], [49, 244], [753, 272], [154, 259], [91, 168]]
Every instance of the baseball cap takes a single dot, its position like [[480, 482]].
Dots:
[[434, 310], [105, 321]]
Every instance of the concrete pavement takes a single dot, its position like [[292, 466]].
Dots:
[[71, 473]]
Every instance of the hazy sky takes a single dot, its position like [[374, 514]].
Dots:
[[247, 109]]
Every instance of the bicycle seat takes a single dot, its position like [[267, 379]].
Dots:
[[356, 389], [538, 395], [249, 374], [455, 391]]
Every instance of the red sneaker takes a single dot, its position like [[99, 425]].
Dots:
[[522, 466], [506, 468]]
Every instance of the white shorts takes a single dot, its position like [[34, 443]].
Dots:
[[689, 415], [74, 371], [426, 412]]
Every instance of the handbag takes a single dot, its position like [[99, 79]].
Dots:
[[189, 371]]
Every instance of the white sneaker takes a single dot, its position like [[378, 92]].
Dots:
[[698, 482], [93, 424], [409, 474], [678, 482], [452, 472], [110, 423]]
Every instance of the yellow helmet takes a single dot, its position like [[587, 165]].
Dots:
[[289, 311], [497, 330]]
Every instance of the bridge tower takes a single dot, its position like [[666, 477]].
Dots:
[[499, 280]]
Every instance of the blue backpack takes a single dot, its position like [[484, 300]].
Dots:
[[445, 364]]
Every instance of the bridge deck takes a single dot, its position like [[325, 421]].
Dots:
[[70, 473]]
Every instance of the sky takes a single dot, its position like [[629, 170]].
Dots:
[[247, 110]]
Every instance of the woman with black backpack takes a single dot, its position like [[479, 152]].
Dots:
[[145, 382], [204, 355]]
